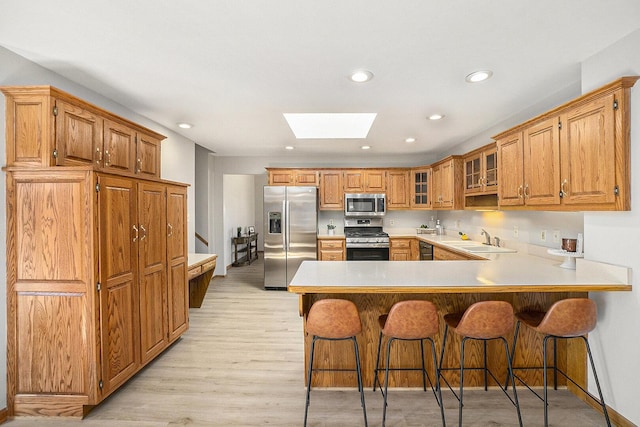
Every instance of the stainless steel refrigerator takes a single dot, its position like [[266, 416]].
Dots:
[[290, 232]]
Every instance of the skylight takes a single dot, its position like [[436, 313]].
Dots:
[[330, 125]]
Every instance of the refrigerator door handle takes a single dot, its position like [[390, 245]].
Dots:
[[287, 226], [283, 231]]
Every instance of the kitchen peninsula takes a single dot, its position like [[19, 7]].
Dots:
[[374, 286]]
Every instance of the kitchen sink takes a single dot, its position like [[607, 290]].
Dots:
[[474, 246]]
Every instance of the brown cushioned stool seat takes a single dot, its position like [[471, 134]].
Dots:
[[412, 320], [333, 320], [484, 321], [566, 319]]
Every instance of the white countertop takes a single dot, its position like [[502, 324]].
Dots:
[[505, 272], [194, 259]]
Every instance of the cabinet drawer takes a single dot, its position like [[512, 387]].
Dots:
[[331, 244], [400, 243], [194, 272], [332, 255], [208, 266]]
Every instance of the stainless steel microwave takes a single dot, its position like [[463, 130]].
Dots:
[[364, 204]]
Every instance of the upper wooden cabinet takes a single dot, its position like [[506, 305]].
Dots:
[[575, 157], [147, 155], [365, 181], [331, 192], [481, 178], [118, 150], [481, 170], [421, 183], [447, 183], [300, 177], [398, 183], [530, 165], [49, 127]]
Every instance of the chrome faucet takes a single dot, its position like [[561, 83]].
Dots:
[[496, 241], [487, 237]]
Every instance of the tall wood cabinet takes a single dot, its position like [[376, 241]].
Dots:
[[574, 157], [96, 256]]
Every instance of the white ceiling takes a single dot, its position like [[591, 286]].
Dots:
[[233, 67]]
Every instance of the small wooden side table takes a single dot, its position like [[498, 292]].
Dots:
[[245, 249]]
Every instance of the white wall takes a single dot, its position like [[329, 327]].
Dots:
[[202, 191], [239, 208], [614, 238], [177, 160]]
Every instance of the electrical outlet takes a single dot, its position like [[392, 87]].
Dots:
[[543, 235], [391, 222], [515, 231], [331, 221], [556, 236]]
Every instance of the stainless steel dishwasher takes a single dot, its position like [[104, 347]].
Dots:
[[426, 251]]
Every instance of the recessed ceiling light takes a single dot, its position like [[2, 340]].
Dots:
[[436, 116], [184, 125], [365, 147], [410, 140], [478, 76], [330, 125], [361, 76], [288, 147]]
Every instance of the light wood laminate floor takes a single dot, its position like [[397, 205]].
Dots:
[[241, 364]]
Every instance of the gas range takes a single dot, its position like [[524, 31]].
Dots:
[[365, 233]]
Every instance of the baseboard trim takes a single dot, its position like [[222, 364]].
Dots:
[[4, 413]]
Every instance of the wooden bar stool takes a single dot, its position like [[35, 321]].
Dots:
[[566, 319], [334, 320], [484, 321], [410, 321]]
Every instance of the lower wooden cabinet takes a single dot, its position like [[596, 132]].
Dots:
[[96, 284], [403, 249], [331, 250], [442, 254]]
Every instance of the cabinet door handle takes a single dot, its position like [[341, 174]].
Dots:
[[135, 236], [99, 159], [169, 230], [108, 159], [563, 191], [144, 230], [526, 191], [520, 192], [138, 165]]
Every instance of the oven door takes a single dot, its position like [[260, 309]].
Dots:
[[368, 254]]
